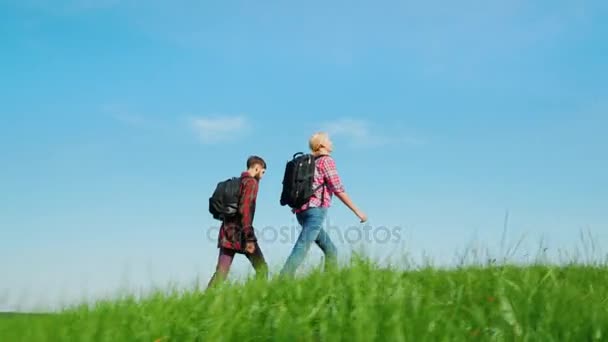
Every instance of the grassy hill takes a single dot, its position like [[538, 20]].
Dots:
[[359, 303]]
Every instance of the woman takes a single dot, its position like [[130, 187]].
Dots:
[[312, 214]]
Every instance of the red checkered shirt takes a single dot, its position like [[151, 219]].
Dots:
[[325, 173], [234, 233]]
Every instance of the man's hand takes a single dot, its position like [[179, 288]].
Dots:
[[250, 248]]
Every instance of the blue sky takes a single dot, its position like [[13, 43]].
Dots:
[[119, 117]]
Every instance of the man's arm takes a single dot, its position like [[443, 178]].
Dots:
[[247, 200]]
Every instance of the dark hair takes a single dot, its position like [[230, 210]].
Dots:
[[253, 160]]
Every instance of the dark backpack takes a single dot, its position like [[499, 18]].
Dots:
[[224, 203], [298, 179]]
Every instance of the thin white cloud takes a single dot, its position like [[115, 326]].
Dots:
[[87, 5], [71, 7], [362, 133], [131, 119], [125, 115], [217, 129]]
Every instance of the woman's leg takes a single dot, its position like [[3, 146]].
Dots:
[[312, 224], [329, 249]]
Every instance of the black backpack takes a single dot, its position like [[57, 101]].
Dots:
[[224, 203], [298, 179]]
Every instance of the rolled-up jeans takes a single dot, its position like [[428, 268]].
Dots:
[[311, 221]]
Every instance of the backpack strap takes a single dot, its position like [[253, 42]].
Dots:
[[324, 184]]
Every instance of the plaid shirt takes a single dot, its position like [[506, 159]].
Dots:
[[325, 173], [234, 233]]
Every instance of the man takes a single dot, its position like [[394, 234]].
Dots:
[[237, 234]]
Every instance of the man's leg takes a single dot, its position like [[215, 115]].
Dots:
[[312, 223], [258, 262], [224, 261]]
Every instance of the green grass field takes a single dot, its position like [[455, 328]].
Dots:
[[362, 302]]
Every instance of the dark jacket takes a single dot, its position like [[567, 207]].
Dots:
[[236, 232]]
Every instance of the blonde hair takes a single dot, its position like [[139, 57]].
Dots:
[[317, 140]]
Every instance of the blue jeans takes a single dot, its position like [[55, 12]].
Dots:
[[311, 221]]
